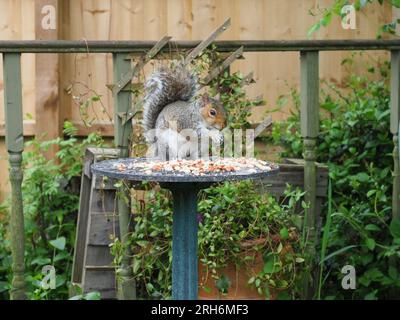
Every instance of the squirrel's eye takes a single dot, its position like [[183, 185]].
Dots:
[[213, 112]]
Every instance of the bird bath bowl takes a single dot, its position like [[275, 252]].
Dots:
[[184, 184]]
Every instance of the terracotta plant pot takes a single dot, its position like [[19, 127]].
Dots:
[[239, 288], [239, 276]]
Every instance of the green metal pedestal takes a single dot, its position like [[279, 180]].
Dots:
[[184, 245], [184, 239]]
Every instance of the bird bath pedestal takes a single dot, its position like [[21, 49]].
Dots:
[[184, 188]]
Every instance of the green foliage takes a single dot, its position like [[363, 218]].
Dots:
[[88, 102], [236, 223], [356, 143], [50, 211], [232, 94], [335, 10], [230, 88], [88, 296]]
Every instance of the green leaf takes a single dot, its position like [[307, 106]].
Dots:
[[372, 227], [395, 228], [326, 19], [374, 274], [366, 258], [136, 265], [60, 280], [371, 295], [370, 243], [4, 286], [58, 243], [41, 261], [337, 252], [393, 273], [370, 193], [270, 264], [206, 289], [266, 292], [64, 255], [280, 247], [154, 233], [142, 243], [395, 3], [281, 283], [283, 295], [313, 29], [362, 177], [284, 233], [223, 284], [149, 286], [92, 296]]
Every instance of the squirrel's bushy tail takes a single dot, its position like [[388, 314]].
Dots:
[[165, 86]]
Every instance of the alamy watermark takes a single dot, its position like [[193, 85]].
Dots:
[[201, 143], [49, 21], [349, 280], [49, 279], [348, 14]]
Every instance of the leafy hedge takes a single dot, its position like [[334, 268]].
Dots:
[[356, 143]]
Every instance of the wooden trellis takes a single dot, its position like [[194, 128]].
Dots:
[[309, 49]]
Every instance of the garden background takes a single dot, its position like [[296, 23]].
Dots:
[[354, 141]]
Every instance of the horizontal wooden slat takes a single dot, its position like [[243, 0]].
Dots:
[[102, 281], [105, 128], [112, 46], [103, 184], [98, 256], [28, 127], [100, 268], [294, 176], [102, 228]]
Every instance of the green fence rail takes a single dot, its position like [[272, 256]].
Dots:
[[308, 49]]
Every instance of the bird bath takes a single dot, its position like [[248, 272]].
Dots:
[[184, 186]]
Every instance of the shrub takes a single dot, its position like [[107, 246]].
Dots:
[[356, 143], [50, 211]]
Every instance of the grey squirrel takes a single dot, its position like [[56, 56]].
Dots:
[[172, 114]]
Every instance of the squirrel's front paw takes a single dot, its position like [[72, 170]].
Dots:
[[216, 136]]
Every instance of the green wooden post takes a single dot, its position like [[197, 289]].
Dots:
[[309, 116], [122, 132], [394, 128], [15, 146]]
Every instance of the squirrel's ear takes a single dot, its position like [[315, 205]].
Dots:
[[205, 97]]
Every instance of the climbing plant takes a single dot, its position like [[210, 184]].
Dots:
[[335, 9]]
